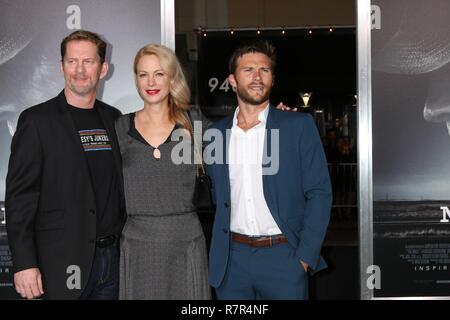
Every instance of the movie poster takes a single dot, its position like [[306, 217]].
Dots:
[[411, 147], [30, 37]]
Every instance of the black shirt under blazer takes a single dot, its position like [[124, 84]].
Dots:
[[50, 202]]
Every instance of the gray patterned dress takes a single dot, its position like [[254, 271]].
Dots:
[[163, 250]]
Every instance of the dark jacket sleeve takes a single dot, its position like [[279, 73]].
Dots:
[[317, 192], [22, 193]]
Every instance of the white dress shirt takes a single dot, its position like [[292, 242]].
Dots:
[[250, 214]]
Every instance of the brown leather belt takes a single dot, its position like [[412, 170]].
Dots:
[[263, 241]]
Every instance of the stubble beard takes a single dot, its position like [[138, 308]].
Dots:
[[248, 99], [82, 90]]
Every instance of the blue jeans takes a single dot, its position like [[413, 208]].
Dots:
[[103, 283]]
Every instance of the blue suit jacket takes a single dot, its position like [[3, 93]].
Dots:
[[298, 194]]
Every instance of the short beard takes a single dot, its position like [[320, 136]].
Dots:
[[242, 94], [82, 91]]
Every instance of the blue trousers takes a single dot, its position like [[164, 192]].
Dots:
[[103, 283], [269, 273]]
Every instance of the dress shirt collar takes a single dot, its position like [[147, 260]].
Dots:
[[262, 116]]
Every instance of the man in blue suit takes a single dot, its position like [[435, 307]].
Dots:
[[272, 190]]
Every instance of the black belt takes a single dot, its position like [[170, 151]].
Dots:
[[107, 241]]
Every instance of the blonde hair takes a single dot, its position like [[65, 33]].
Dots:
[[179, 93]]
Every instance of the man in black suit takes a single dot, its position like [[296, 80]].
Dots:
[[64, 198]]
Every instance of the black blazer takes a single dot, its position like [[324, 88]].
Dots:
[[50, 203]]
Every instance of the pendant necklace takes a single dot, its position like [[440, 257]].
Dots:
[[156, 153]]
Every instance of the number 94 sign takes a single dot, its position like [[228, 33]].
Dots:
[[213, 83]]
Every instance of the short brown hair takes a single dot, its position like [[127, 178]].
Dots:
[[260, 46], [84, 35]]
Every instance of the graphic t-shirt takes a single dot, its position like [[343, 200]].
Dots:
[[105, 181]]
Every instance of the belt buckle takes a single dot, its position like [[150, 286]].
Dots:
[[102, 242], [262, 241], [106, 241]]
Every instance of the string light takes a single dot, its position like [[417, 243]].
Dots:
[[310, 31]]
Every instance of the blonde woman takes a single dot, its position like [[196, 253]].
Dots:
[[163, 249]]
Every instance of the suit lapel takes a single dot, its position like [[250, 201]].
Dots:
[[225, 169], [74, 136], [270, 190]]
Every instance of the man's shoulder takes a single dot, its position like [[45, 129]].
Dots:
[[43, 109], [291, 121], [290, 116], [113, 111]]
